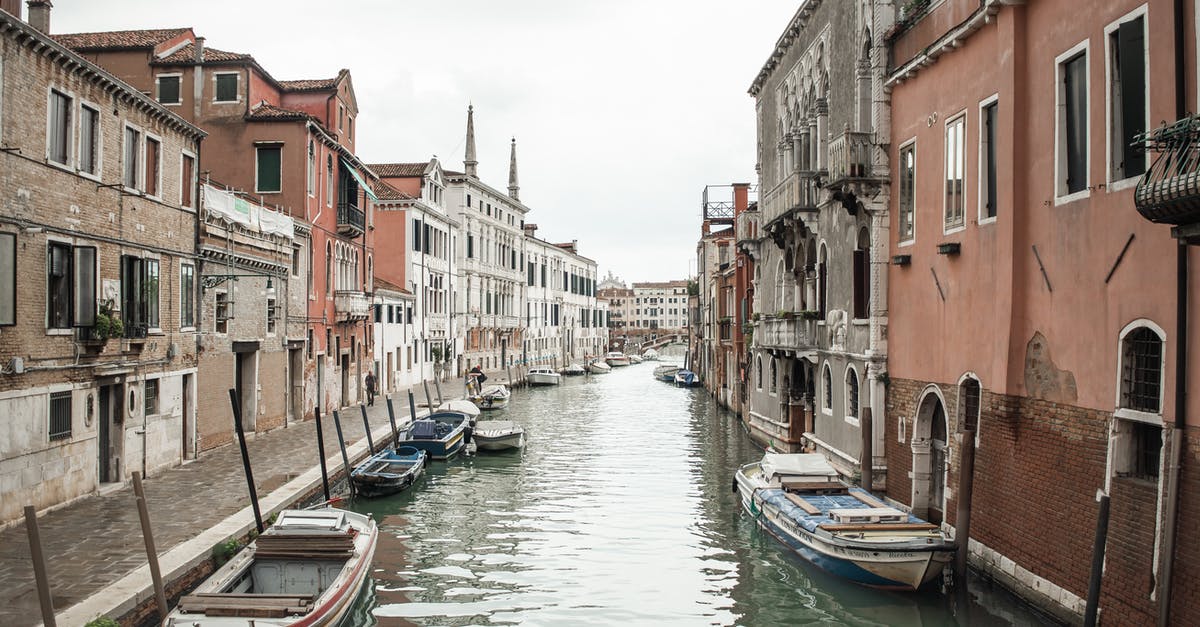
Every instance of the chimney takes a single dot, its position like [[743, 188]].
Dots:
[[199, 45], [741, 197], [39, 15], [13, 7], [530, 229]]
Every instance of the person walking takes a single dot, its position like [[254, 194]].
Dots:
[[370, 388]]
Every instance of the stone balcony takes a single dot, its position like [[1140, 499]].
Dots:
[[785, 333], [351, 305]]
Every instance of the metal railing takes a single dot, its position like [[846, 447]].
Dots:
[[350, 218]]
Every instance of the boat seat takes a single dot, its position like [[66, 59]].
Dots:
[[304, 546], [878, 527], [809, 508], [246, 605], [800, 485]]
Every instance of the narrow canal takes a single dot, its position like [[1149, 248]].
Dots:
[[618, 511]]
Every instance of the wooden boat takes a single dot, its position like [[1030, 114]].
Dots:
[[441, 434], [306, 569], [492, 397], [617, 359], [800, 499], [598, 367], [666, 372], [498, 435], [686, 378], [389, 471], [543, 375], [574, 370]]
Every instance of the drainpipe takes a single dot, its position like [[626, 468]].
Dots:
[[1181, 360]]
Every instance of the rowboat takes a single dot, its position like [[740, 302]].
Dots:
[[634, 359], [498, 435], [800, 499], [666, 372], [616, 359], [650, 355], [306, 569], [389, 471], [543, 375], [439, 434]]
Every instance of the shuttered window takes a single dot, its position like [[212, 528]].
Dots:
[[1127, 97]]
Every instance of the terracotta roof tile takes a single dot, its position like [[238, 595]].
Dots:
[[187, 53], [386, 170], [383, 191], [268, 111], [384, 284], [309, 84], [118, 39]]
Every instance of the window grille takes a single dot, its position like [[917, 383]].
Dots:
[[970, 391], [60, 415], [1141, 375]]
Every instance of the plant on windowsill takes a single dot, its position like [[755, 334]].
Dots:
[[755, 317], [810, 314], [783, 313], [107, 324]]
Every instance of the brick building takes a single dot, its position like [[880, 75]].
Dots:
[[98, 224]]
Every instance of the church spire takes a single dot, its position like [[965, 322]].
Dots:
[[514, 190], [469, 162]]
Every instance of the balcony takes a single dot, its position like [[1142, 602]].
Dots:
[[350, 219], [351, 305], [850, 158], [746, 228], [785, 333], [798, 192], [1169, 192]]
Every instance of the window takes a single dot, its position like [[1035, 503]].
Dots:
[[987, 161], [187, 296], [150, 397], [955, 164], [272, 314], [132, 157], [862, 275], [71, 286], [268, 176], [153, 152], [1142, 371], [139, 295], [1146, 447], [851, 394], [969, 396], [827, 389], [187, 180], [312, 168], [295, 261], [89, 140], [1127, 97], [226, 87], [774, 377], [328, 181], [1072, 123], [168, 89], [8, 279], [60, 415], [58, 129], [328, 269], [470, 246], [221, 312]]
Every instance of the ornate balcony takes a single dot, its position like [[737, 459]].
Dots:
[[351, 305], [786, 333], [350, 219], [799, 192], [746, 228], [850, 157], [1170, 191]]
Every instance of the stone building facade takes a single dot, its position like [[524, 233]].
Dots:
[[98, 223]]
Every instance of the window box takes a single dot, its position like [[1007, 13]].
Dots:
[[949, 248], [901, 260]]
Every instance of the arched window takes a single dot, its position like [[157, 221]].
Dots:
[[851, 393], [1142, 370], [328, 181], [328, 267], [1136, 443], [312, 168], [969, 394], [862, 275], [370, 273], [774, 376], [758, 368], [822, 288], [826, 389], [781, 297]]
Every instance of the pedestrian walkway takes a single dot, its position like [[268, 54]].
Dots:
[[95, 556]]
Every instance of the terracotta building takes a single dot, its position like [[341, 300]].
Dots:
[[99, 286], [1032, 310]]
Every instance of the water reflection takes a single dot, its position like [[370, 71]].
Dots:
[[619, 510]]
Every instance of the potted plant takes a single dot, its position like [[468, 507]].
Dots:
[[107, 324], [809, 314], [783, 313]]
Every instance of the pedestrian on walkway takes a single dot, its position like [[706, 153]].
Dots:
[[370, 388]]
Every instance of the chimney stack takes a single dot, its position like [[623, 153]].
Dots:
[[39, 15], [199, 45]]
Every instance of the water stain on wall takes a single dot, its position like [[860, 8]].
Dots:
[[1044, 379]]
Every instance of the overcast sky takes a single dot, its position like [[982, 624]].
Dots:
[[623, 110]]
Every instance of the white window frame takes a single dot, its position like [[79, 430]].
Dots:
[[237, 89], [179, 298], [259, 146], [147, 137], [961, 405], [1060, 131], [158, 88], [960, 116], [826, 392], [1112, 185], [911, 143], [97, 148], [216, 308], [1133, 414], [139, 171], [191, 184], [981, 198], [311, 157], [852, 419], [69, 127], [158, 395]]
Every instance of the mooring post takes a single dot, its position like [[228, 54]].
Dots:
[[160, 596], [1093, 598], [321, 453], [241, 434], [868, 472], [337, 424], [392, 420], [428, 398], [412, 406], [39, 566], [367, 428], [437, 386], [962, 527]]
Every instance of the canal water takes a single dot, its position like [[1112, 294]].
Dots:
[[618, 511]]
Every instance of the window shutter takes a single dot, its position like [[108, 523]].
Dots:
[[85, 286], [8, 278], [1075, 76], [1131, 51]]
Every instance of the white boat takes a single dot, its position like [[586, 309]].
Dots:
[[634, 359], [498, 435], [574, 370], [598, 367], [461, 406], [616, 359], [543, 375], [492, 397], [666, 372], [650, 355], [306, 569], [800, 499]]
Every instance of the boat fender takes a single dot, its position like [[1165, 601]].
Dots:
[[467, 435], [734, 485]]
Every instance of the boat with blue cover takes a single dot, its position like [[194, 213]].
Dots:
[[666, 372], [389, 471], [686, 378], [800, 499], [441, 434]]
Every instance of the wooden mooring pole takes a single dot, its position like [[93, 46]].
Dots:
[[428, 398], [39, 566], [412, 406], [392, 421], [321, 453], [437, 385], [1093, 598], [160, 596], [241, 434], [337, 424], [866, 457], [367, 428]]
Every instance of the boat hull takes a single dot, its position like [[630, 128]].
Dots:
[[542, 378], [499, 443], [599, 368], [386, 473], [446, 446]]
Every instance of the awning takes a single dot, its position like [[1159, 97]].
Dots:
[[361, 183]]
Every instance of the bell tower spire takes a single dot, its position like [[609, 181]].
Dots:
[[470, 163], [514, 189]]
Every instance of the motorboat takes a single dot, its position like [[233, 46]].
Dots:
[[800, 499], [440, 434], [574, 370], [543, 375], [650, 355], [598, 367], [634, 359], [617, 359], [666, 372], [498, 435], [389, 471], [462, 406], [686, 378], [262, 585], [492, 397]]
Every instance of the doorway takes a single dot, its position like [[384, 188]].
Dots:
[[109, 441], [245, 382], [345, 380], [929, 457], [295, 384], [189, 420]]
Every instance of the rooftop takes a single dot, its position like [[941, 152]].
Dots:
[[119, 39]]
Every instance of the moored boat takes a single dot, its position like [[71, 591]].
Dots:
[[634, 359], [616, 359], [686, 378], [666, 372], [650, 355], [799, 499], [441, 434], [498, 435], [598, 367], [543, 375], [492, 397], [574, 370], [389, 471], [332, 547], [461, 406]]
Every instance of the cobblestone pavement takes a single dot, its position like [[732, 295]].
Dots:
[[97, 541]]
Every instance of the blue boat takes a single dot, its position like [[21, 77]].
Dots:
[[389, 471], [441, 434], [686, 379], [666, 372]]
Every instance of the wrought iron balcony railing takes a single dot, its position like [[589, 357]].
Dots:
[[350, 219], [1169, 192]]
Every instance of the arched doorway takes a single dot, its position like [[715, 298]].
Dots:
[[929, 457]]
